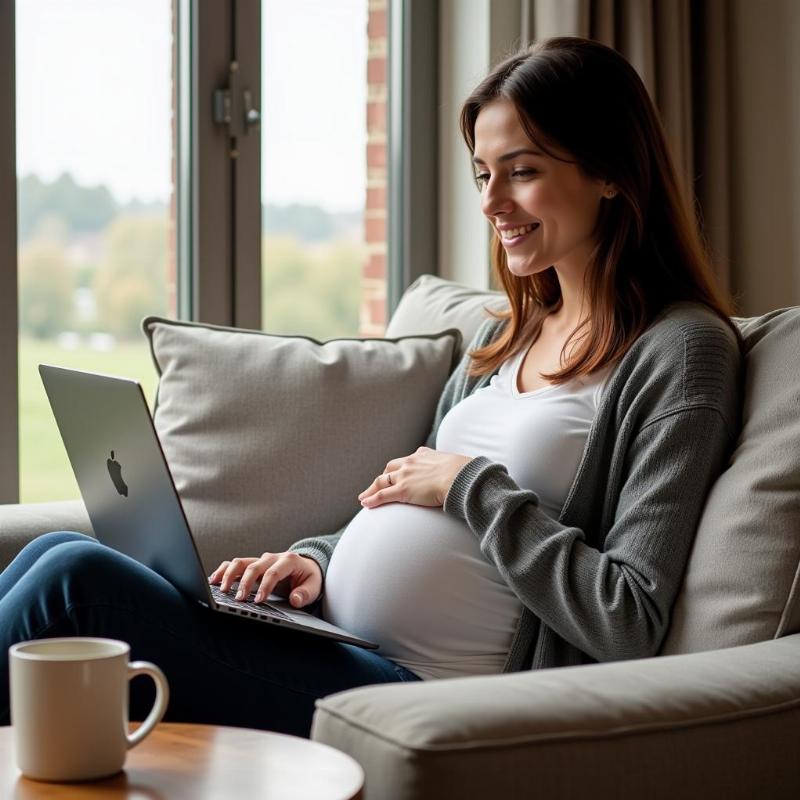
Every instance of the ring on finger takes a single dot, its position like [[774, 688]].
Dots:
[[388, 476]]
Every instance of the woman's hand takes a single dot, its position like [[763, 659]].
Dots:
[[423, 479], [300, 577]]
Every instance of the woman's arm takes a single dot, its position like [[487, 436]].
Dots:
[[613, 604]]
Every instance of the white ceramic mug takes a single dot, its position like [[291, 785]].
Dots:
[[69, 706]]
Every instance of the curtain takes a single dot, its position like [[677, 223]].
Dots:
[[679, 48]]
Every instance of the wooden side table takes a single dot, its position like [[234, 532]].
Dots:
[[204, 762]]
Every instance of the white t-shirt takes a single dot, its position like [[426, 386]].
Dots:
[[413, 579]]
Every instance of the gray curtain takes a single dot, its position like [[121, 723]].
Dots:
[[679, 49]]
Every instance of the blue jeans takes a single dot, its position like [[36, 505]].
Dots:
[[221, 669]]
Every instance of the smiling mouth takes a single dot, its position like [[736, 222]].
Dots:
[[516, 235]]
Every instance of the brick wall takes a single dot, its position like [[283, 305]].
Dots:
[[373, 320]]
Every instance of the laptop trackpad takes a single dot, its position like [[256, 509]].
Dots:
[[282, 604]]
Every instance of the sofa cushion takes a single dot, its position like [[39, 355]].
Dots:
[[432, 304], [20, 524], [271, 438], [741, 583], [690, 726]]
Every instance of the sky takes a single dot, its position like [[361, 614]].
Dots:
[[93, 97]]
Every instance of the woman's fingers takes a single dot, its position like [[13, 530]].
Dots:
[[305, 592], [424, 478], [384, 482], [281, 569], [271, 569], [386, 479], [234, 570], [306, 583], [252, 573], [216, 575], [288, 565]]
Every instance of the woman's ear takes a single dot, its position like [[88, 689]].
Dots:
[[609, 190]]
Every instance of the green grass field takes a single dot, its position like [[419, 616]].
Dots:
[[45, 473]]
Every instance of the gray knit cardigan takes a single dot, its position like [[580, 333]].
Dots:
[[599, 583]]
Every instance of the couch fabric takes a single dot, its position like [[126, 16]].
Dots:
[[271, 438], [19, 524], [741, 583], [705, 725]]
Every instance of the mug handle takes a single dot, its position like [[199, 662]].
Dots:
[[159, 707]]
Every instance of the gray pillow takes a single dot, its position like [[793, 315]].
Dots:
[[271, 438], [432, 303], [743, 578]]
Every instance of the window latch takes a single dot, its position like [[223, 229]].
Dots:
[[233, 106]]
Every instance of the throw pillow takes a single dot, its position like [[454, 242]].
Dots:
[[432, 303], [271, 438]]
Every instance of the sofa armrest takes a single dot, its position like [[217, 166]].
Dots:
[[21, 523], [723, 723]]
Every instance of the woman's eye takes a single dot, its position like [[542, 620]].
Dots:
[[482, 177]]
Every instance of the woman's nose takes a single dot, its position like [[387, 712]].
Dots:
[[495, 199]]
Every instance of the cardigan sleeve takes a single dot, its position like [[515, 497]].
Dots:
[[615, 603], [320, 548]]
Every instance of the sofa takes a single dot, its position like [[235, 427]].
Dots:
[[713, 715]]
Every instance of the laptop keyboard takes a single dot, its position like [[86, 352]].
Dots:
[[262, 608]]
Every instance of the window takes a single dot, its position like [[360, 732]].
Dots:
[[323, 156], [96, 234]]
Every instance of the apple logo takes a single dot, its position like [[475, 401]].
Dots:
[[115, 471]]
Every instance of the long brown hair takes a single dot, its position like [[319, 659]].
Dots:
[[579, 96]]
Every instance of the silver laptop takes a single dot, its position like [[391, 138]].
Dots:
[[131, 498]]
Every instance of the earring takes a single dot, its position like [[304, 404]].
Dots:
[[611, 194]]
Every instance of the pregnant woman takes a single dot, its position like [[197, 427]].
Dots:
[[549, 518]]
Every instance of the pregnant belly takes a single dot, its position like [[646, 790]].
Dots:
[[414, 580]]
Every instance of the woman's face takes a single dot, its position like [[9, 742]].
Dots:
[[553, 201]]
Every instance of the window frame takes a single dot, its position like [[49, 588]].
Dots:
[[413, 145], [220, 258], [9, 386]]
